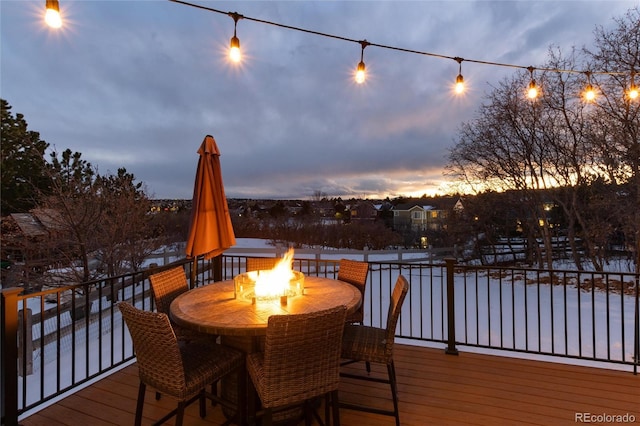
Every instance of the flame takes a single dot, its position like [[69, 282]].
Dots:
[[274, 282]]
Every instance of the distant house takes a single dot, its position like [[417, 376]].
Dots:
[[363, 211], [426, 214], [31, 240]]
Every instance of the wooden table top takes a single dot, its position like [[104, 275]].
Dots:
[[213, 308]]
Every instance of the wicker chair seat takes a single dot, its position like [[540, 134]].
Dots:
[[366, 343], [201, 361], [188, 335]]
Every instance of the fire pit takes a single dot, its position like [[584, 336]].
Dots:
[[278, 283]]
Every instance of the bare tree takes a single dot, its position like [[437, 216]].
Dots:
[[104, 217], [578, 155], [503, 149], [618, 119], [75, 209], [125, 227]]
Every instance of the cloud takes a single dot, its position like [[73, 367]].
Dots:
[[139, 84]]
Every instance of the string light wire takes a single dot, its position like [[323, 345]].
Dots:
[[402, 49]]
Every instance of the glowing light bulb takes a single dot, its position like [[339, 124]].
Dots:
[[633, 93], [589, 93], [459, 88], [360, 73], [234, 50], [52, 16], [532, 91]]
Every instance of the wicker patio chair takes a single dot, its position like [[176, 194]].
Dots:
[[166, 286], [355, 273], [180, 371], [301, 362], [373, 344], [261, 263]]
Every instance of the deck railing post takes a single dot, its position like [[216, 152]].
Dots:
[[451, 313], [9, 355], [25, 340]]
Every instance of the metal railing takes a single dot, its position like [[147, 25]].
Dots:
[[57, 340]]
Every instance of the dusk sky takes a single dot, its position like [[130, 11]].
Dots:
[[138, 84]]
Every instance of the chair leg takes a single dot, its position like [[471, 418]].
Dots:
[[391, 371], [335, 403], [141, 391], [308, 416], [368, 366], [267, 418], [242, 403], [327, 407], [214, 392], [203, 404], [180, 413]]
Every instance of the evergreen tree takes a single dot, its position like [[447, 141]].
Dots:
[[22, 165]]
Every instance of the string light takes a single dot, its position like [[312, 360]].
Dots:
[[360, 71], [234, 48], [532, 90], [589, 91], [52, 15], [459, 87]]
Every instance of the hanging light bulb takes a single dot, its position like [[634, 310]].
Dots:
[[589, 92], [360, 71], [532, 90], [459, 87], [234, 48], [633, 92], [52, 15]]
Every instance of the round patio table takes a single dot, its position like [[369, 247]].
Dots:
[[215, 309]]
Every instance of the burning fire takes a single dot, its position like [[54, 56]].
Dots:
[[274, 282]]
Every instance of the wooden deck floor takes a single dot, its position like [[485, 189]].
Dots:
[[434, 388]]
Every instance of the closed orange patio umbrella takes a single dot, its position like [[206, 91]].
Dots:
[[210, 231]]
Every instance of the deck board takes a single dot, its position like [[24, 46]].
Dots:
[[434, 388]]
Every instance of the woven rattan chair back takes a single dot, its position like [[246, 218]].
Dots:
[[355, 273], [157, 352], [167, 285], [301, 359], [261, 263], [400, 291]]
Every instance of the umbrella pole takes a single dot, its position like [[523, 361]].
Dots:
[[194, 271], [217, 268]]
